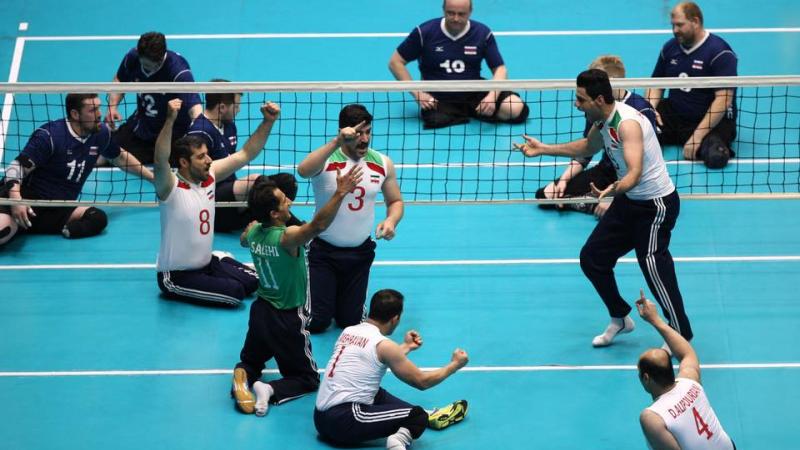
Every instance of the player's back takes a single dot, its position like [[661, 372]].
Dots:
[[690, 418]]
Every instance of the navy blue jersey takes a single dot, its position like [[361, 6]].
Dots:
[[445, 57], [63, 159], [151, 108], [712, 57], [220, 143], [633, 100]]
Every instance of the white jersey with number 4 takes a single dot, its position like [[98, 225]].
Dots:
[[354, 372], [353, 223], [689, 417], [187, 226]]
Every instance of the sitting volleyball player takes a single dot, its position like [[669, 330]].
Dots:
[[351, 405], [54, 165], [187, 269]]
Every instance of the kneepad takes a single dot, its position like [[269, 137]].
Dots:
[[522, 117], [92, 222]]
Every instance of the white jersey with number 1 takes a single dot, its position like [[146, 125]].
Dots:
[[187, 226], [353, 223], [689, 417]]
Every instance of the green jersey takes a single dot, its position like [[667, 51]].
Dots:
[[282, 278]]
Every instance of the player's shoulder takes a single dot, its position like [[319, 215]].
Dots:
[[200, 123], [176, 61], [479, 28], [715, 45], [431, 26]]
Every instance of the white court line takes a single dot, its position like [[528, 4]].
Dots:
[[477, 369], [404, 34], [8, 101], [449, 262]]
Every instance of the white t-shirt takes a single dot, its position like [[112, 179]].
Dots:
[[354, 372], [356, 216], [187, 226], [689, 417], [654, 181]]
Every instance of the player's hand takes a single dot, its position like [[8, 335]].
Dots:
[[460, 357], [609, 191], [601, 208], [173, 106], [532, 147], [425, 100], [691, 147], [270, 111], [488, 105], [22, 215], [647, 309], [349, 134], [347, 183], [413, 340], [112, 117], [385, 230]]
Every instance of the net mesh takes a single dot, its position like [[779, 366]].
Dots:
[[462, 163]]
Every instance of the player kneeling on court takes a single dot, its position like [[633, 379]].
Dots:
[[62, 154], [278, 317], [351, 405], [187, 269], [681, 416]]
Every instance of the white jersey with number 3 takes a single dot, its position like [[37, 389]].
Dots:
[[353, 223], [354, 372], [689, 417], [187, 226]]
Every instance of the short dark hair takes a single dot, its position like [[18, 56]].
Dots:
[[261, 199], [75, 101], [184, 147], [661, 374], [286, 182], [385, 304], [152, 45], [215, 98], [352, 115], [596, 82], [692, 11]]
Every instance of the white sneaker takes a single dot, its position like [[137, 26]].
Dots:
[[220, 254], [615, 327], [263, 393], [401, 440]]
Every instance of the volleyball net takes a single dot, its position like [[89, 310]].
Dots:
[[473, 162]]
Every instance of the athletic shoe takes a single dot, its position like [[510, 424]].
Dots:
[[444, 417], [617, 326], [241, 391]]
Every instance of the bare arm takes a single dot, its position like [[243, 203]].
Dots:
[[129, 163], [583, 147], [195, 111], [656, 432], [633, 152], [313, 163], [164, 178], [681, 349], [113, 115], [15, 173], [394, 204], [654, 97], [226, 166], [296, 236], [243, 236], [397, 65], [395, 357], [716, 111]]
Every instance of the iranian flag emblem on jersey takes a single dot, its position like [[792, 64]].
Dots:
[[613, 133]]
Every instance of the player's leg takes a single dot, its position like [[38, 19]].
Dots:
[[510, 108], [255, 353], [85, 222], [207, 286], [323, 282], [715, 151], [291, 342], [610, 240], [354, 267], [601, 175], [353, 423], [235, 270], [655, 221], [445, 114]]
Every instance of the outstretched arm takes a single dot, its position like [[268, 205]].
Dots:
[[164, 178], [129, 163], [395, 357], [226, 166], [681, 349], [397, 65]]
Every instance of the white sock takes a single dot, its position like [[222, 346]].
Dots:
[[615, 327], [400, 440], [263, 394]]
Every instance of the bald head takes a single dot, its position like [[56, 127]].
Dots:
[[456, 15], [458, 3], [690, 10], [656, 363]]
